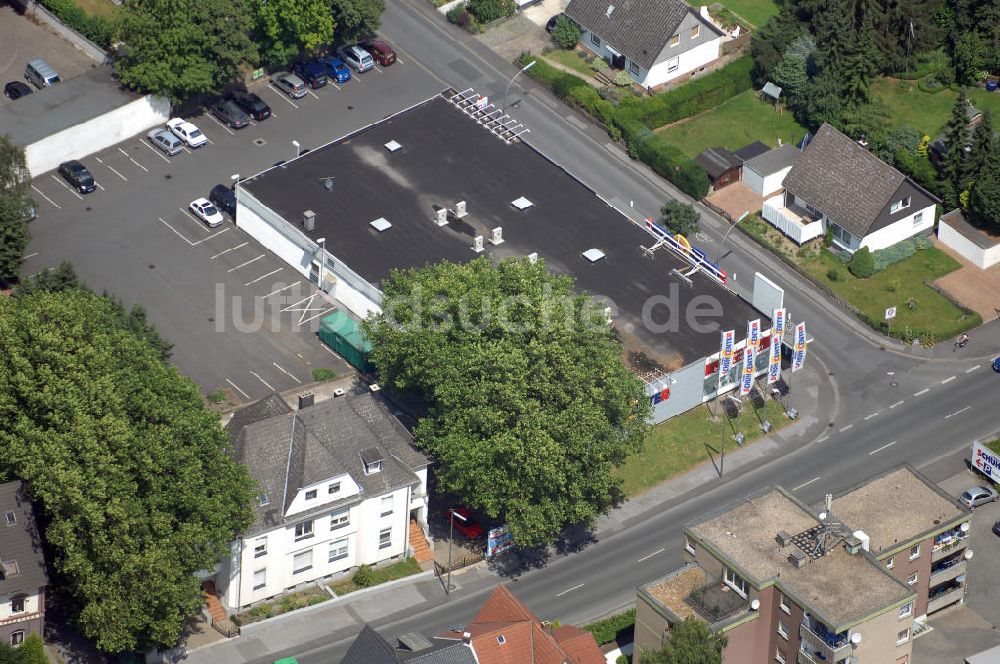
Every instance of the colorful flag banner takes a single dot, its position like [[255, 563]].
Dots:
[[774, 368], [750, 356], [726, 353], [778, 322], [799, 347]]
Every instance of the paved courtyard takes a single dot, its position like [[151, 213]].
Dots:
[[974, 288]]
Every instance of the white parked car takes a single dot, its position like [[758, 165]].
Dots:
[[204, 210], [187, 132]]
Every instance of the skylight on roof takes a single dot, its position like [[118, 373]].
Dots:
[[392, 146], [593, 255], [522, 203], [262, 500], [380, 224], [11, 518]]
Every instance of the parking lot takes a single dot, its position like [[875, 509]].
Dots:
[[24, 40], [240, 318]]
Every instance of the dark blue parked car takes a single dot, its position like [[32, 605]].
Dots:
[[996, 364], [312, 72], [336, 68]]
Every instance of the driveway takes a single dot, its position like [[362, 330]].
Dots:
[[973, 287]]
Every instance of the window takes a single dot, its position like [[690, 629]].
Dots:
[[736, 582], [386, 505], [915, 551], [594, 39], [501, 639], [11, 518], [906, 610], [310, 494], [634, 68], [17, 638], [673, 64], [903, 637], [262, 500], [782, 630], [900, 205], [334, 488], [890, 561], [340, 519], [303, 530], [385, 538], [259, 579], [17, 604], [912, 579], [373, 467], [302, 562], [260, 547], [695, 31], [779, 656], [689, 545], [783, 603], [338, 549], [918, 218], [675, 40]]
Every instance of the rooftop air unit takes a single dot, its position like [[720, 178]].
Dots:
[[441, 216], [783, 538], [496, 236], [477, 245], [460, 210], [797, 557], [309, 220]]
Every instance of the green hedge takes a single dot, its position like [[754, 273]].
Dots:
[[607, 630], [95, 28]]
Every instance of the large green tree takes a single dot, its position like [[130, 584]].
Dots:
[[357, 18], [953, 166], [130, 472], [689, 642], [530, 405], [182, 48], [16, 208], [284, 28], [984, 197], [679, 217]]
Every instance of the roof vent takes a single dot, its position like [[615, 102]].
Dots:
[[477, 244], [496, 236], [521, 203], [262, 500], [441, 216], [11, 518], [863, 143], [610, 9], [593, 255], [338, 392], [374, 387], [783, 538], [466, 637], [9, 568], [392, 146], [460, 210], [797, 557], [381, 224], [309, 220]]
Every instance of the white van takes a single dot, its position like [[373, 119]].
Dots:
[[41, 74]]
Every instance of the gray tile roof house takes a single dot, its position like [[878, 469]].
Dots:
[[370, 648], [850, 185], [286, 450], [22, 563], [717, 161]]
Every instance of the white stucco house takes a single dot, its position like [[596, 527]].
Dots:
[[838, 184], [655, 41], [339, 483]]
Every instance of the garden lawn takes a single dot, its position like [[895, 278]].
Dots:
[[926, 111], [739, 121], [572, 59], [678, 445], [104, 8], [755, 12], [400, 570], [893, 287]]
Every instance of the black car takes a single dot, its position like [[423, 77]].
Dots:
[[223, 198], [253, 105], [231, 114], [312, 72], [78, 176], [16, 90], [550, 25]]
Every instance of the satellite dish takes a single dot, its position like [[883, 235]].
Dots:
[[969, 554], [754, 604], [855, 638], [822, 516], [328, 183], [964, 527]]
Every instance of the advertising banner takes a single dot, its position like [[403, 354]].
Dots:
[[499, 540], [774, 366], [799, 347], [778, 322], [726, 353], [986, 462], [750, 356]]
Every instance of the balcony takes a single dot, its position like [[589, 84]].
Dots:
[[948, 543], [948, 570], [799, 224], [820, 646], [951, 596]]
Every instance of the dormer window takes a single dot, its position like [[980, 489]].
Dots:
[[311, 494], [900, 205], [675, 40], [334, 488], [11, 518], [372, 458]]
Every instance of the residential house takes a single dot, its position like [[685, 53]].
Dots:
[[504, 631], [838, 185], [850, 581], [655, 41], [764, 173], [339, 484], [722, 166], [22, 567]]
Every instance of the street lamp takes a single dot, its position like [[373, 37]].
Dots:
[[718, 256], [235, 177], [321, 243], [452, 515], [511, 81], [298, 150]]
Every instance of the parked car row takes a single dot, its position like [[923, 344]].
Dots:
[[39, 73], [316, 72]]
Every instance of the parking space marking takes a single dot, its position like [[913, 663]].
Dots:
[[875, 451], [805, 484], [252, 260], [947, 380], [67, 187], [206, 239], [216, 121], [871, 416], [315, 96], [100, 186], [39, 192], [263, 381], [308, 308], [286, 373], [197, 222], [263, 276], [192, 243], [156, 152], [235, 387], [282, 95], [112, 169], [335, 85], [30, 256], [843, 429], [898, 403], [138, 164], [275, 292], [239, 246]]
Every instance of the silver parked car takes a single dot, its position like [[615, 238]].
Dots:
[[166, 141], [978, 495], [290, 84]]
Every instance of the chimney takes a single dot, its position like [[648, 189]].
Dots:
[[466, 637], [309, 220], [441, 216], [783, 538], [306, 399], [477, 245], [460, 209], [797, 557], [496, 236]]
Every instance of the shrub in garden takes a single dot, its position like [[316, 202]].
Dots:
[[607, 630], [491, 10], [622, 78], [833, 275], [862, 264], [364, 577], [566, 33]]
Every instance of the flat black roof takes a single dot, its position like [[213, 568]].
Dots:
[[447, 157]]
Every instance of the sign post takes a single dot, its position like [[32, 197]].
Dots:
[[890, 313]]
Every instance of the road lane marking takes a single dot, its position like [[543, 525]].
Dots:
[[239, 246], [804, 484], [67, 187], [882, 448], [233, 269], [650, 555], [235, 387], [947, 380], [286, 373], [923, 391], [263, 276], [30, 256], [898, 403], [40, 193], [823, 439], [843, 429], [112, 168], [569, 590], [156, 152], [264, 381], [971, 369], [281, 289], [957, 412], [871, 416], [138, 164]]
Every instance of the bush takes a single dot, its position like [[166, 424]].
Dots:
[[862, 264], [833, 275], [217, 397], [566, 33], [607, 630], [900, 251], [364, 577], [486, 11], [622, 78], [32, 651], [455, 12]]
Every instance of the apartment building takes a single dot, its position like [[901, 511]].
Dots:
[[22, 568], [849, 582]]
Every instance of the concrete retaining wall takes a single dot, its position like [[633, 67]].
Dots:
[[97, 133], [92, 50]]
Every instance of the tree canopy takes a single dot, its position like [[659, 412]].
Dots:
[[286, 27], [689, 642], [130, 472], [16, 208], [530, 405], [679, 217], [357, 18]]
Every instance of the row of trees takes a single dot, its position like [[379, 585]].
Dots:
[[16, 208], [182, 48]]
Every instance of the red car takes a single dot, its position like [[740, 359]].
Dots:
[[381, 51], [464, 523]]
